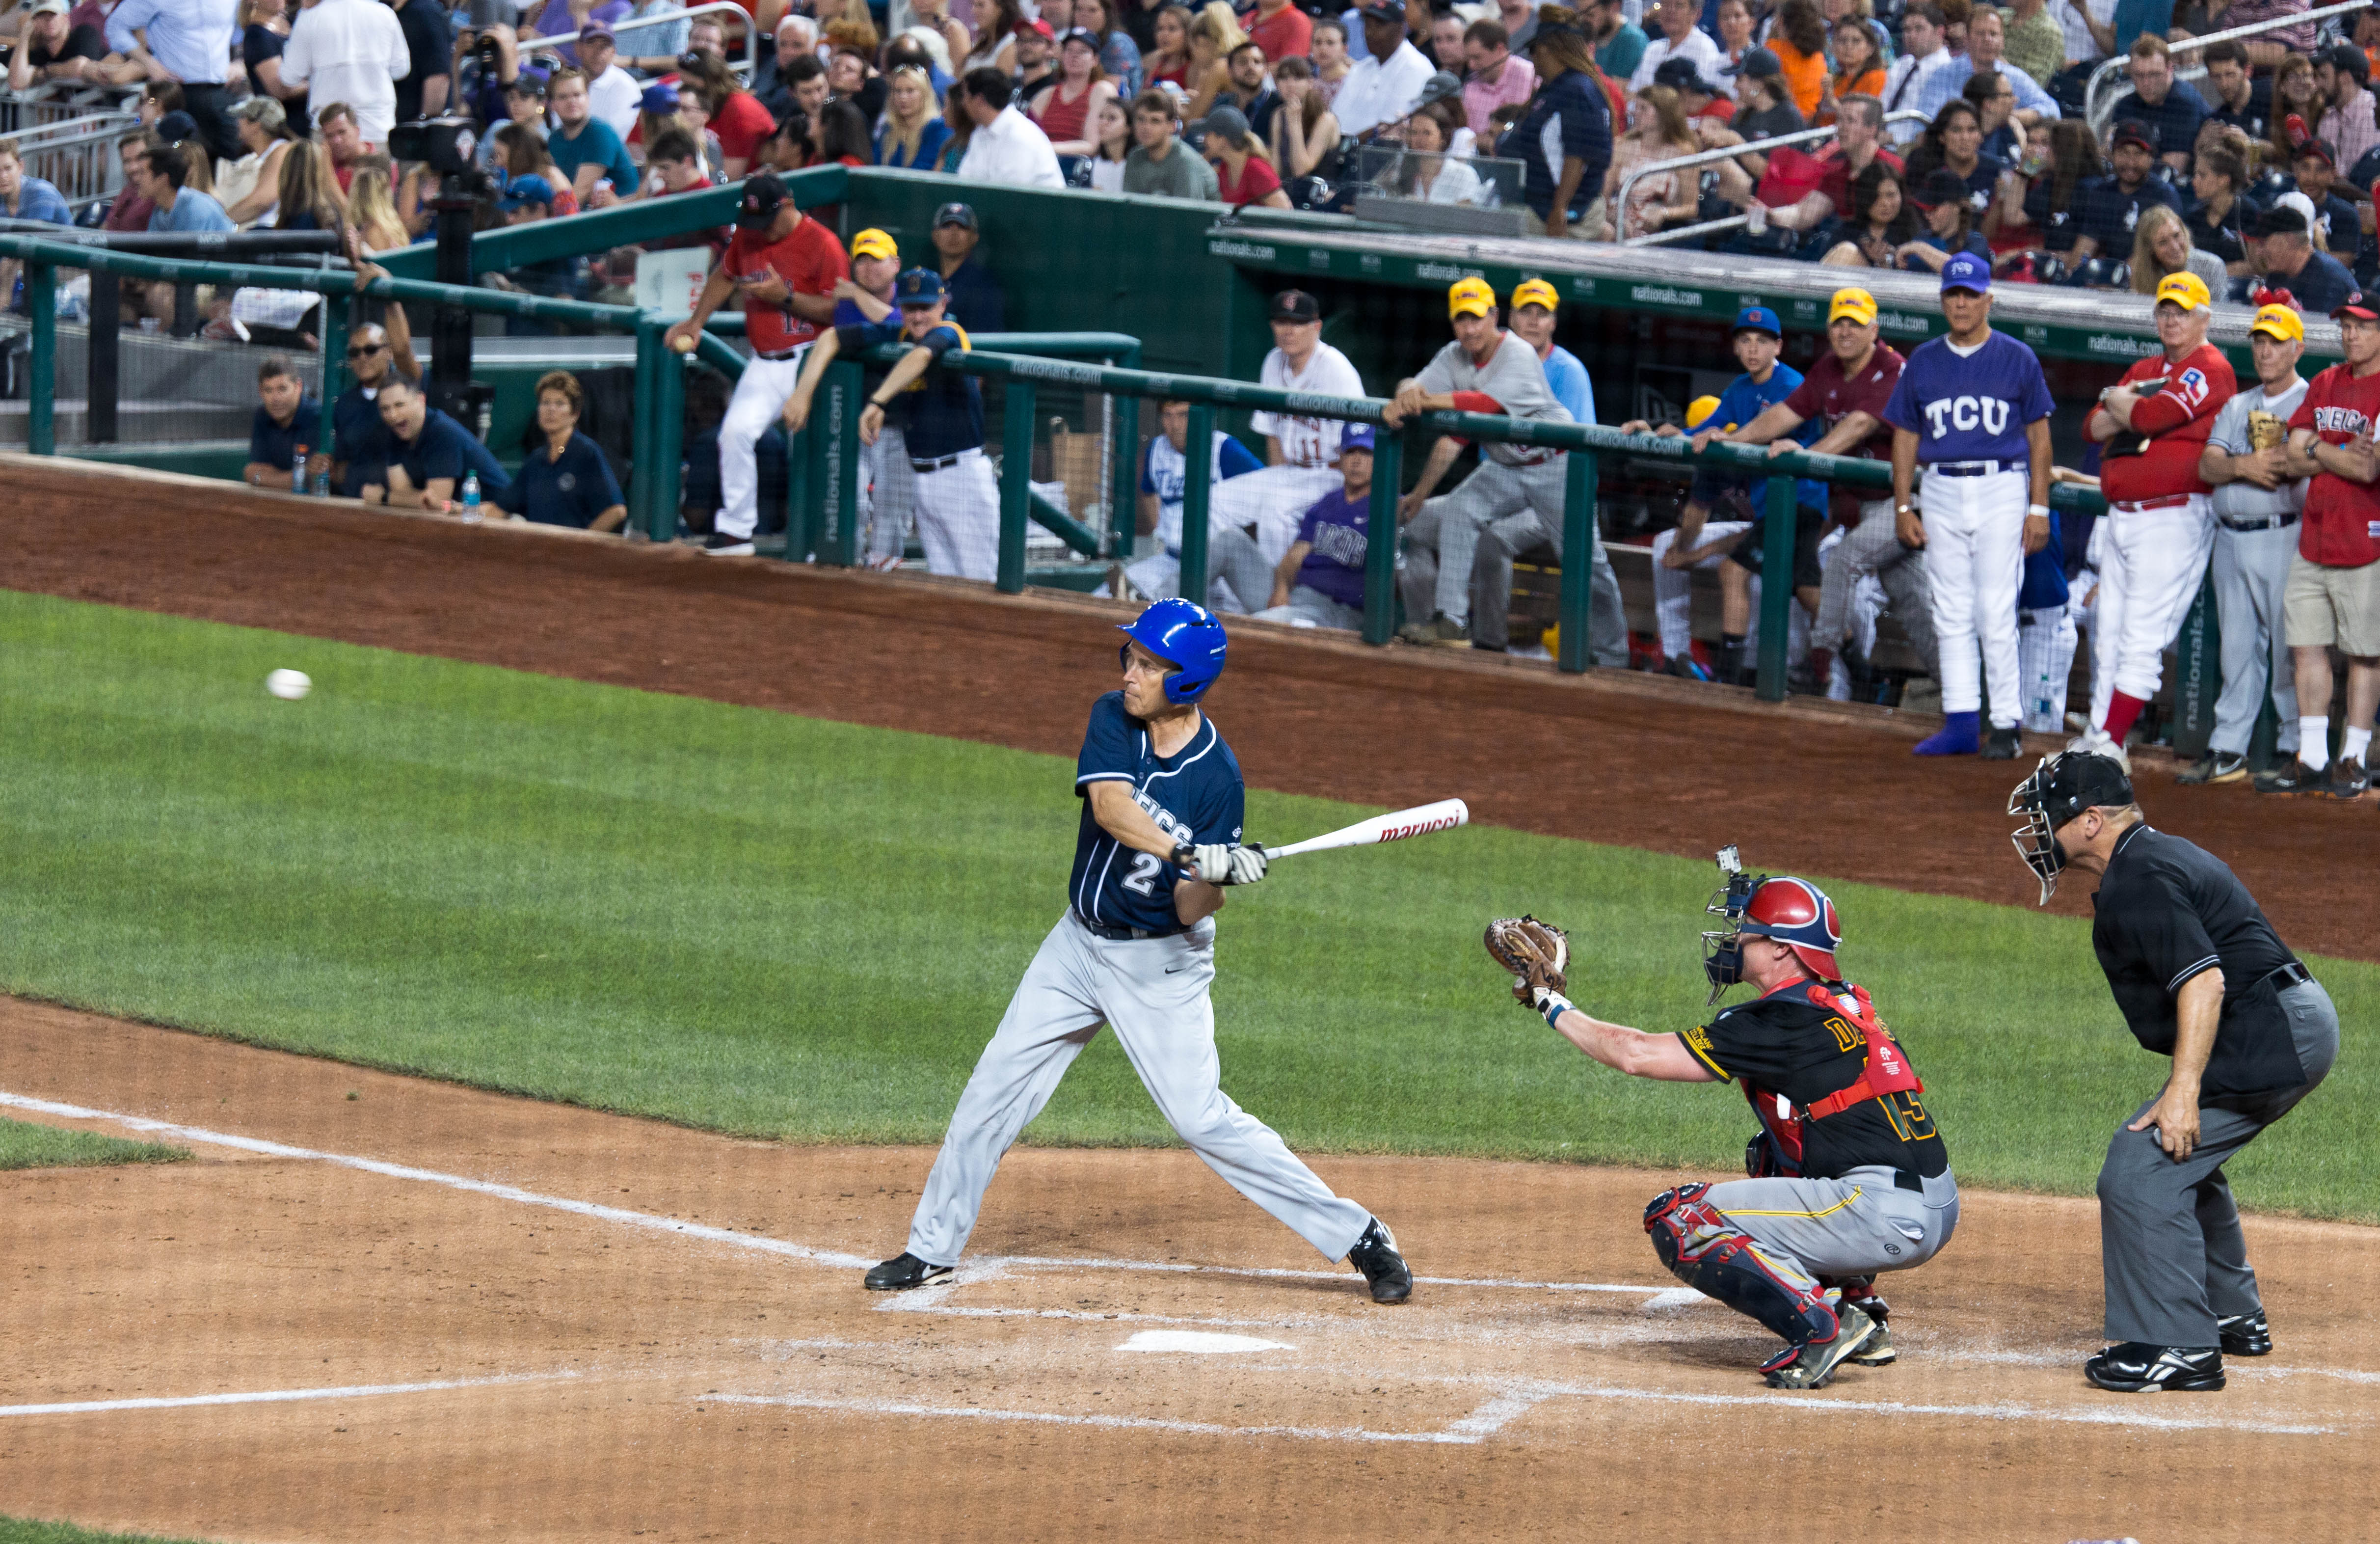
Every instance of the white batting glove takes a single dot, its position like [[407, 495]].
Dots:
[[1248, 864], [1210, 861]]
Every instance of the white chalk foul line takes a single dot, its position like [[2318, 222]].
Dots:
[[1048, 1263], [1110, 1423], [1998, 1411], [273, 1396]]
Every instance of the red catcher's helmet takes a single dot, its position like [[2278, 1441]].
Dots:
[[1798, 915]]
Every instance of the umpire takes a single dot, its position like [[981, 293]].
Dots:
[[2199, 977]]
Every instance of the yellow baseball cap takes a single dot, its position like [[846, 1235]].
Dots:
[[1857, 304], [873, 243], [1699, 410], [2185, 289], [1535, 292], [2279, 321], [1470, 298]]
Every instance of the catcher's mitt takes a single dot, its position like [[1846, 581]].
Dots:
[[1538, 954]]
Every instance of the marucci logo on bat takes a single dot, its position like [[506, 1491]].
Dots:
[[1419, 828]]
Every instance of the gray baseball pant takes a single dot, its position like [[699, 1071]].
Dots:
[[2252, 569], [1153, 992], [1873, 547], [1861, 1223], [2169, 1240], [1310, 606], [1237, 559], [1492, 585]]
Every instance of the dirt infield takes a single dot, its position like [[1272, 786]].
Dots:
[[1614, 758], [377, 1308]]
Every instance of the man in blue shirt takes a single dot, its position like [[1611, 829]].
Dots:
[[1534, 303], [978, 303], [430, 453], [165, 171], [584, 148], [191, 42], [2315, 280], [1320, 580], [287, 426], [2169, 109], [958, 498], [24, 198], [361, 439], [2112, 205]]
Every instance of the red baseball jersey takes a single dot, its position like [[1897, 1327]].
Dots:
[[2180, 415], [2341, 527], [809, 260]]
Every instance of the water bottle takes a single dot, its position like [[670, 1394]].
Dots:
[[471, 514], [323, 483], [298, 471]]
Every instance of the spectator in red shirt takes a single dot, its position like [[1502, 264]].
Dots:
[[736, 115], [1243, 171], [130, 210], [785, 266], [1859, 140], [1281, 29], [675, 165], [344, 139]]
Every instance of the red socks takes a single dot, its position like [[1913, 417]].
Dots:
[[2121, 712]]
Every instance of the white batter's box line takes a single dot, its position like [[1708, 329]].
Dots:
[[1276, 1273], [645, 1220], [1121, 1423], [278, 1396], [2001, 1411], [906, 1304]]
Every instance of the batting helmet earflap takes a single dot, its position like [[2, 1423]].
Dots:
[[1185, 635], [1796, 913]]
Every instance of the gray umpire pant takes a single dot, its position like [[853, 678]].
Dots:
[[1873, 547], [2169, 1239], [2252, 569]]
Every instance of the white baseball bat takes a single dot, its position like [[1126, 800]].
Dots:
[[1445, 815]]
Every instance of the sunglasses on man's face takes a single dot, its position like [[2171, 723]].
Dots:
[[367, 351]]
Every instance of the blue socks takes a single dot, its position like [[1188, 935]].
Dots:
[[1958, 736]]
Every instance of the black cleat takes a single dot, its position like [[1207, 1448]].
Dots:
[[2213, 767], [720, 544], [2292, 776], [902, 1271], [2136, 1368], [2002, 745], [2245, 1334], [1384, 1271], [2348, 778]]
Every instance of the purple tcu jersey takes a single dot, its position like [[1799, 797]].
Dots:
[[1193, 796], [1974, 409]]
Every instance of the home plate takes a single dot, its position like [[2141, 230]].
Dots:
[[1198, 1341]]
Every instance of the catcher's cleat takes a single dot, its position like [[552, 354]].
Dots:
[[2292, 776], [1811, 1365], [2135, 1368], [2245, 1334], [2215, 766], [1384, 1271], [1878, 1352], [2001, 745], [902, 1271]]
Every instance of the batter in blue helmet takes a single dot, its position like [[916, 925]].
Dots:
[[1847, 1178], [1162, 812]]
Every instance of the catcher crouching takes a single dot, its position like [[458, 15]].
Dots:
[[1849, 1176]]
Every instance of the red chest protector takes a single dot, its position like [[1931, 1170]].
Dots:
[[1887, 1071]]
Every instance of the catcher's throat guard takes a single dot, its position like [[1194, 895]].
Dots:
[[1723, 948], [1790, 911]]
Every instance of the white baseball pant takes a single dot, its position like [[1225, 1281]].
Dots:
[[2046, 640], [1275, 500], [2151, 562], [2252, 569], [887, 499], [1974, 563], [761, 393], [1673, 610], [1153, 993], [958, 518]]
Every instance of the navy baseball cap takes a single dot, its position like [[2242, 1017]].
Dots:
[[1757, 319], [764, 196], [1355, 436], [955, 214], [1967, 270], [919, 286]]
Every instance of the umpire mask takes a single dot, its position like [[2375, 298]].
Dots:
[[2060, 788]]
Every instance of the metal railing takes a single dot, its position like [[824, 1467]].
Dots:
[[56, 101], [2096, 111], [77, 156], [710, 8], [1725, 153]]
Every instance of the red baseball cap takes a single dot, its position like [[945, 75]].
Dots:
[[1038, 27], [2358, 304]]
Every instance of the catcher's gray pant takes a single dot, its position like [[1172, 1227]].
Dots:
[[2045, 641], [2252, 568], [1491, 587], [2169, 1237], [1873, 547], [1235, 561], [958, 518], [1153, 993], [888, 498], [1859, 1224], [1309, 607]]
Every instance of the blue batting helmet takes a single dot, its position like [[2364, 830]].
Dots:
[[1185, 635]]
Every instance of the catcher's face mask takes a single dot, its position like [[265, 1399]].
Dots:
[[1723, 948], [2062, 787]]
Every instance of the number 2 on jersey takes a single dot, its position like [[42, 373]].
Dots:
[[1146, 866]]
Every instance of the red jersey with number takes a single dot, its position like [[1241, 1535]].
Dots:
[[809, 260], [2176, 417], [2341, 525], [1826, 396]]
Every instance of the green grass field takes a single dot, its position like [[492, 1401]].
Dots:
[[26, 1530], [782, 926], [26, 1146]]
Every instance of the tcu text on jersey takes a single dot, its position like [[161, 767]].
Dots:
[[1988, 413]]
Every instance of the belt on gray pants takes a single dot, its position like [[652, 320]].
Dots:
[[2270, 522], [2293, 974], [1119, 936]]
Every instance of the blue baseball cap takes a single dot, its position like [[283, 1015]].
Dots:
[[1757, 319], [1357, 436], [522, 191], [1967, 270], [919, 286]]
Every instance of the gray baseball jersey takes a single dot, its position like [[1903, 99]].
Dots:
[[1513, 375], [2245, 500]]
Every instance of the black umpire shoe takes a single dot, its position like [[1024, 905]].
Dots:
[[2348, 778], [2292, 776], [2245, 1334], [2001, 745], [902, 1271], [2135, 1368], [1384, 1271]]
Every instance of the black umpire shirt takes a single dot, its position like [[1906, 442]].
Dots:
[[2168, 910]]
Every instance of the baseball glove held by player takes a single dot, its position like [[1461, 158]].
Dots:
[[1538, 954]]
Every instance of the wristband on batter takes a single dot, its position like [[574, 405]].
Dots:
[[1553, 1004], [2040, 509]]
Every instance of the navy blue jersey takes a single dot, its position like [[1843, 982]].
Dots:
[[362, 441], [446, 448], [1974, 409], [2043, 586], [942, 410], [1195, 797], [278, 445], [2109, 213]]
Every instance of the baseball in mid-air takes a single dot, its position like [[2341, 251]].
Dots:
[[289, 685], [683, 343]]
